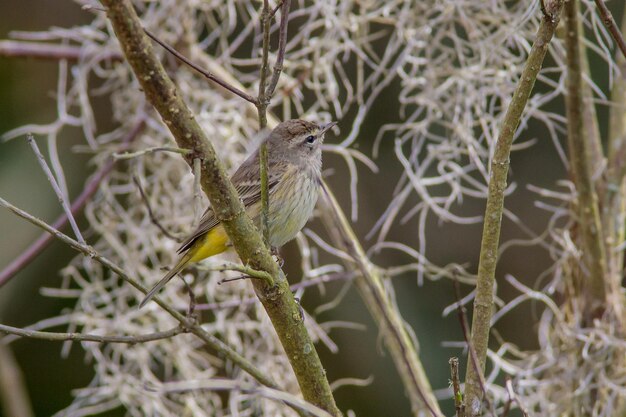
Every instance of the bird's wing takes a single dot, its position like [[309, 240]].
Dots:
[[248, 186]]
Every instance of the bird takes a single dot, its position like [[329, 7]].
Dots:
[[294, 179]]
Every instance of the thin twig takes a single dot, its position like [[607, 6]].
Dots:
[[55, 187], [239, 278], [277, 300], [302, 407], [130, 155], [282, 46], [294, 287], [513, 396], [197, 192], [84, 337], [456, 387], [153, 218], [609, 22], [92, 186], [263, 100], [483, 303], [275, 10], [262, 103], [207, 74], [186, 323], [265, 195], [251, 272], [191, 308]]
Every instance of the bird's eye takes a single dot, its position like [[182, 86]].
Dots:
[[310, 139]]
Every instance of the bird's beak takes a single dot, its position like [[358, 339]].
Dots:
[[327, 127]]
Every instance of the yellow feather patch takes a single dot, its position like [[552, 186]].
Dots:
[[213, 243]]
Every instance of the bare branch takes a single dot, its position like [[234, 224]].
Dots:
[[473, 358], [206, 74], [370, 284], [82, 337], [185, 322], [277, 300], [263, 99], [55, 187], [483, 303], [253, 273], [592, 245], [77, 205], [153, 218], [609, 22], [282, 46], [302, 407], [514, 397], [262, 103], [131, 155]]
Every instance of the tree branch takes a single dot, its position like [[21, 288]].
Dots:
[[614, 198], [278, 299], [92, 186], [282, 46], [82, 337], [186, 322], [151, 214], [483, 303], [261, 106], [55, 187], [208, 75], [592, 245], [370, 287], [369, 282], [609, 22]]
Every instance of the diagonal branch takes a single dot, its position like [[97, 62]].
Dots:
[[277, 300], [609, 22], [207, 74], [387, 317], [483, 303], [28, 255], [282, 46], [186, 322], [592, 246], [83, 337], [369, 282], [261, 106], [614, 199], [55, 187]]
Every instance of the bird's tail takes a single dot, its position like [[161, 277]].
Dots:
[[179, 266]]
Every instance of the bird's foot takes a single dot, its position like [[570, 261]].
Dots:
[[275, 252]]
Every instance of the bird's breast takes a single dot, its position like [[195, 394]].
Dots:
[[291, 205]]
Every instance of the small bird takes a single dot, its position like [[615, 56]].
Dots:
[[294, 177]]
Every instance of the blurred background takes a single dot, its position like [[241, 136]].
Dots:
[[26, 87]]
